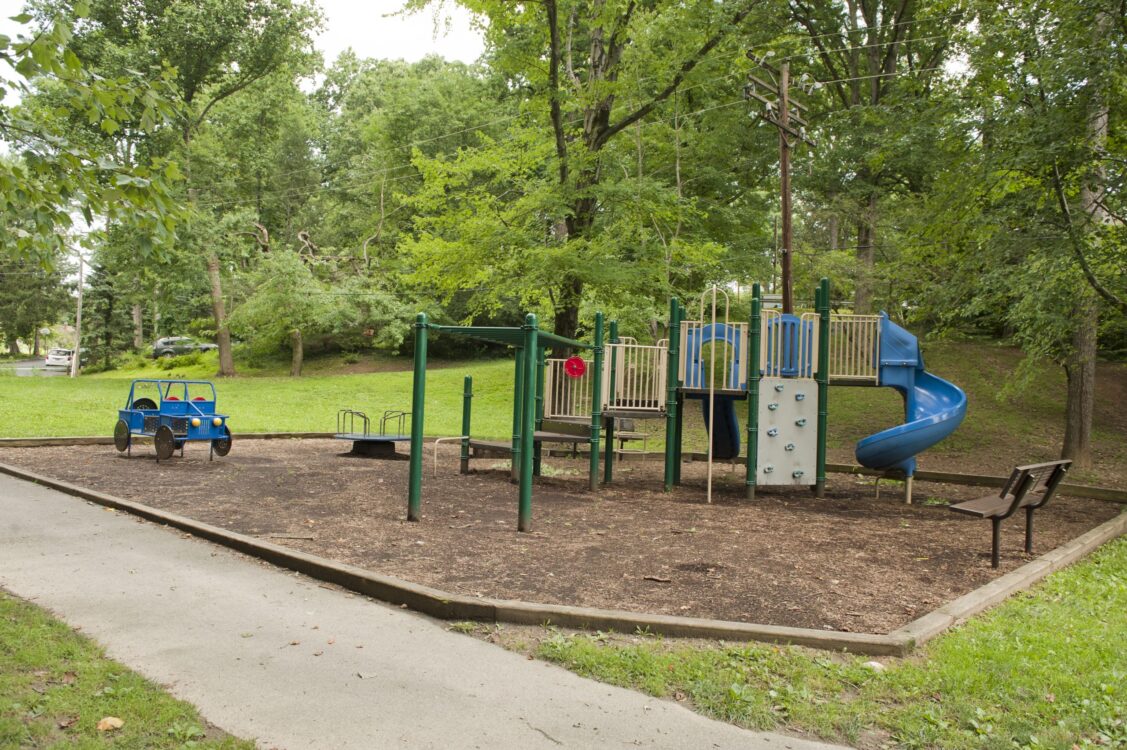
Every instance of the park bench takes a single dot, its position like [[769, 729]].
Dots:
[[1028, 487]]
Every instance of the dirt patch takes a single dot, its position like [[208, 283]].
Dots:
[[848, 562]]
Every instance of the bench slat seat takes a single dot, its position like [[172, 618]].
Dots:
[[1029, 487]]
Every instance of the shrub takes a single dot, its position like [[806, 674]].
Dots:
[[182, 360]]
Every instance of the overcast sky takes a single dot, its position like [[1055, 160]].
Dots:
[[370, 28]]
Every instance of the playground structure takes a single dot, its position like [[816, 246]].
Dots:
[[176, 418], [781, 365]]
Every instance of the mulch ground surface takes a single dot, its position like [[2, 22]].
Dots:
[[848, 562]]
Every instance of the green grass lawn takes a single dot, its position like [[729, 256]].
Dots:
[[55, 686], [1048, 669], [264, 403], [1028, 425]]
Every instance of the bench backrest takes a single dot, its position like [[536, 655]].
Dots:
[[1035, 484]]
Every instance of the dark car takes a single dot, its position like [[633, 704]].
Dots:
[[173, 345]]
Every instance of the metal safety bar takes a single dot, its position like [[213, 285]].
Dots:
[[400, 418], [640, 378], [565, 396], [854, 347], [348, 417]]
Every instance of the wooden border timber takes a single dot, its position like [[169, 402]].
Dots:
[[443, 605], [973, 480]]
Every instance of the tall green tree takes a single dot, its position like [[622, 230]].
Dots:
[[54, 170], [878, 62], [1028, 232], [593, 71], [218, 49]]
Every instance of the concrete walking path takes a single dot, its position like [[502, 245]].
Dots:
[[274, 656]]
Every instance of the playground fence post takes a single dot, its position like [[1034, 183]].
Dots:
[[418, 398], [596, 401], [823, 302], [754, 334], [467, 401], [537, 449], [679, 444], [672, 363], [518, 406], [528, 421], [608, 469]]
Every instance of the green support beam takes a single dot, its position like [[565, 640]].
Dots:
[[537, 463], [418, 399], [608, 468], [518, 406], [467, 402], [528, 422], [596, 401], [672, 364], [823, 304], [679, 445], [754, 334]]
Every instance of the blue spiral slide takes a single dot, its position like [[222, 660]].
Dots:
[[933, 407]]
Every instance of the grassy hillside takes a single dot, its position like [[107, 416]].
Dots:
[[1025, 426]]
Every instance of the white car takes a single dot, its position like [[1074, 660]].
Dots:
[[58, 358]]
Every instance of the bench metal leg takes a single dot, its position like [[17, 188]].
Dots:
[[1029, 530], [995, 541]]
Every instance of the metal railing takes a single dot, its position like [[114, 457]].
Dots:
[[398, 417], [346, 422], [565, 396], [854, 344], [788, 347], [640, 375], [721, 357]]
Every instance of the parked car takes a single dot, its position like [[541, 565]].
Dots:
[[59, 357], [174, 345]]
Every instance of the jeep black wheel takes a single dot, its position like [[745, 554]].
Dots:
[[222, 446], [121, 436], [165, 442]]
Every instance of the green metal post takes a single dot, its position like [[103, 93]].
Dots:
[[518, 405], [677, 439], [467, 401], [608, 469], [537, 447], [823, 299], [528, 423], [672, 365], [754, 334], [596, 401], [418, 398], [679, 446]]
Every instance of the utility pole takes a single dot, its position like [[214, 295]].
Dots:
[[77, 354], [777, 102]]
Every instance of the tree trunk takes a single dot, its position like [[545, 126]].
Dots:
[[35, 342], [1081, 364], [866, 258], [13, 344], [222, 335], [298, 353], [1081, 371], [138, 327], [566, 321]]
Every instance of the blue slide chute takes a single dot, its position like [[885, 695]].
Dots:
[[933, 407], [726, 436]]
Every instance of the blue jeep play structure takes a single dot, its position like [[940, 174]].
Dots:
[[180, 411]]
